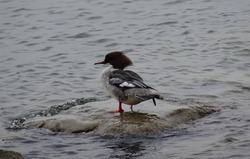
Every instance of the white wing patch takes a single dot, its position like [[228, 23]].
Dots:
[[126, 84]]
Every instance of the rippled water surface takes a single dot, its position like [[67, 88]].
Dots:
[[194, 52]]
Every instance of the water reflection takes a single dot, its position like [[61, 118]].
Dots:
[[126, 148]]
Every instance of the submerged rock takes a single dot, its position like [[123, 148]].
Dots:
[[4, 154], [94, 118]]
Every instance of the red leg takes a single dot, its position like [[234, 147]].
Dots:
[[131, 107], [120, 109]]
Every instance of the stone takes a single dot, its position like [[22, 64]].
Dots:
[[93, 118], [4, 154]]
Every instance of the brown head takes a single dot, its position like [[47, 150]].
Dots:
[[117, 59]]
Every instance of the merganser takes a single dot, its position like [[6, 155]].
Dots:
[[124, 85]]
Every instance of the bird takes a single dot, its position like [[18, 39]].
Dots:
[[125, 86]]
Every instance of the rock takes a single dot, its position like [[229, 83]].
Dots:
[[94, 118], [4, 154], [63, 123]]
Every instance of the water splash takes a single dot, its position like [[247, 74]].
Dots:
[[53, 110]]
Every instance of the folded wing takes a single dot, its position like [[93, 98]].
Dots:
[[127, 79]]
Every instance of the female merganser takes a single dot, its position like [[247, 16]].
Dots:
[[124, 85]]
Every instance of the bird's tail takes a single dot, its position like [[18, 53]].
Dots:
[[157, 96]]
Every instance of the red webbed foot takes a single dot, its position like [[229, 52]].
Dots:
[[117, 111], [120, 110]]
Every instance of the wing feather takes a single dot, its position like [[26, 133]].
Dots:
[[127, 79]]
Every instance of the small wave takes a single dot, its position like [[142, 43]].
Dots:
[[21, 9], [174, 2], [53, 110], [80, 35], [94, 17], [167, 23], [46, 48]]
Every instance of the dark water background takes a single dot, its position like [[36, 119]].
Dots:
[[194, 52]]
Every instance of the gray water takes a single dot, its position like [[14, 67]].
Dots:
[[194, 52]]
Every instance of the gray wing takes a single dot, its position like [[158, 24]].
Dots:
[[126, 79]]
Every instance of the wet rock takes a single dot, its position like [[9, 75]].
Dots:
[[94, 118], [63, 123], [184, 115], [4, 154]]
